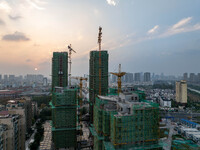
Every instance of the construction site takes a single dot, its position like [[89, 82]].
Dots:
[[122, 122], [118, 119]]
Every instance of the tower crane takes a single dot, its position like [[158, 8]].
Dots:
[[81, 85], [119, 76], [70, 61], [99, 42]]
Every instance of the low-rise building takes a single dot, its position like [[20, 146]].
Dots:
[[165, 102]]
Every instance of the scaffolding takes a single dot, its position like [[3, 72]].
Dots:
[[64, 118], [94, 77], [64, 138], [66, 97], [60, 69], [140, 129], [64, 104]]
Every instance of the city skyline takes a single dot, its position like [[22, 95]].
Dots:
[[155, 36]]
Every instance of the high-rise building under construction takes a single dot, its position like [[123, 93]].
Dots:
[[98, 77], [60, 69], [64, 104], [124, 122]]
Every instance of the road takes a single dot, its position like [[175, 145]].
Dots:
[[169, 139], [31, 138], [28, 141], [194, 90], [179, 115]]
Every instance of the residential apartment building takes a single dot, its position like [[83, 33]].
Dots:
[[181, 92], [15, 136]]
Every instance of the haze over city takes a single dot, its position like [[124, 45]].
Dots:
[[99, 74], [155, 36]]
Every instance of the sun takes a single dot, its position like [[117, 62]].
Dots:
[[36, 69]]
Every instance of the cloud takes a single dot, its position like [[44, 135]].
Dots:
[[181, 23], [36, 4], [14, 17], [182, 26], [17, 36], [2, 22], [5, 6], [155, 28], [112, 2]]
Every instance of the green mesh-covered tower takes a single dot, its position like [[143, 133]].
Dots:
[[64, 104], [60, 69], [125, 125], [94, 77]]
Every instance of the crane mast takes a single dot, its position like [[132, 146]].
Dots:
[[81, 86], [99, 42], [70, 62]]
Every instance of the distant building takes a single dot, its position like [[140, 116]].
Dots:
[[198, 77], [147, 77], [181, 92], [185, 76], [114, 78], [45, 83], [34, 78], [0, 77], [192, 77], [5, 77], [137, 77], [128, 77], [11, 78]]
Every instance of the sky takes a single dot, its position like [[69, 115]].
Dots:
[[160, 36]]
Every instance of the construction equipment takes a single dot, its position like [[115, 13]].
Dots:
[[70, 61], [99, 42], [119, 76], [80, 84]]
